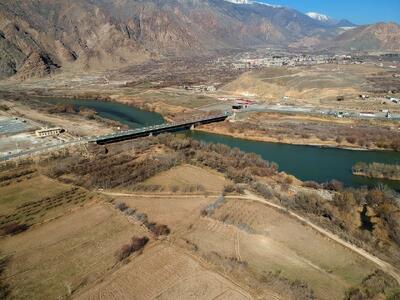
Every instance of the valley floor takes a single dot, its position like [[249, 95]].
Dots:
[[245, 247]]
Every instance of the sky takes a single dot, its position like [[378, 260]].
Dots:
[[357, 11]]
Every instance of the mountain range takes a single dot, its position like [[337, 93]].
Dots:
[[38, 37], [330, 21]]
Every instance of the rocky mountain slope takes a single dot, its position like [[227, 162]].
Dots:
[[38, 37], [381, 37]]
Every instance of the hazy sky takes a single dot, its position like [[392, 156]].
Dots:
[[357, 11]]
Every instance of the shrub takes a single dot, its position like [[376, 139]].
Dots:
[[4, 107], [209, 210], [229, 188], [377, 285], [138, 243], [263, 190], [130, 211], [323, 138], [311, 184], [233, 188], [351, 139], [126, 250], [174, 188], [285, 187], [141, 217], [121, 206], [289, 179], [333, 185], [159, 229], [309, 203], [14, 228], [123, 252]]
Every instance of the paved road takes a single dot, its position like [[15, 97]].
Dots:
[[43, 149], [312, 110], [281, 108]]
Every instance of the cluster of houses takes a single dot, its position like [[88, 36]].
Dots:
[[279, 61], [200, 88]]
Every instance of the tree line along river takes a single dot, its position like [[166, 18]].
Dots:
[[305, 162]]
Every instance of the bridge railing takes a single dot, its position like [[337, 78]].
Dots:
[[160, 126]]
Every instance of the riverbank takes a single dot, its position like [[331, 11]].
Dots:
[[363, 174], [319, 131], [320, 164], [269, 139], [377, 170]]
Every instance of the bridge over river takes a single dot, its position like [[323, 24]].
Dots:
[[157, 129]]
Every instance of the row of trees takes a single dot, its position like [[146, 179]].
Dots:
[[121, 168], [157, 229]]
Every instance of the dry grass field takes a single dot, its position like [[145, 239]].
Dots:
[[195, 244], [18, 193], [59, 257], [165, 272], [246, 240], [270, 241], [177, 211], [28, 197], [188, 178]]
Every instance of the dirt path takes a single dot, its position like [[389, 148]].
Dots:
[[385, 266], [161, 195]]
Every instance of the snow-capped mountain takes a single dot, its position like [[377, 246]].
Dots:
[[330, 21], [252, 2], [318, 17], [240, 1]]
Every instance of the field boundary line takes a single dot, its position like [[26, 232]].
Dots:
[[385, 266]]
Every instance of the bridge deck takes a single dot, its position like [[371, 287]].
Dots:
[[156, 129]]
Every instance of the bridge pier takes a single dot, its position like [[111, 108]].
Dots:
[[155, 130], [232, 118]]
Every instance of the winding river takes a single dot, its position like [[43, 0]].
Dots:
[[304, 162]]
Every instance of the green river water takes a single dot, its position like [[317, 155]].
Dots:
[[305, 162]]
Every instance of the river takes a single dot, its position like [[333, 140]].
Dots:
[[305, 162]]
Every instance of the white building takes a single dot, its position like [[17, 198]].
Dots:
[[49, 132]]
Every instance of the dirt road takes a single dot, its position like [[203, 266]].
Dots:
[[383, 265]]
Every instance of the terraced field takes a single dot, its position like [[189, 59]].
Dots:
[[61, 256], [270, 241], [165, 273]]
